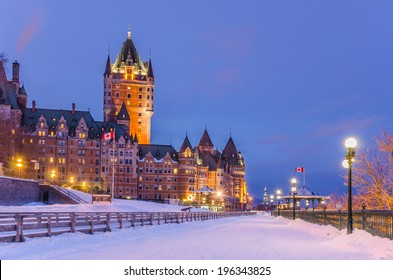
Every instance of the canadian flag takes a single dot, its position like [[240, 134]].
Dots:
[[299, 169], [108, 135]]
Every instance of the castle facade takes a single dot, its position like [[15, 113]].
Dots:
[[70, 148]]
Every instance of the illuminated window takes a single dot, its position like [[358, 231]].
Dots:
[[175, 171], [51, 160], [82, 135], [42, 124]]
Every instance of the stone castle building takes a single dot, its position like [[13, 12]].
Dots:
[[66, 146]]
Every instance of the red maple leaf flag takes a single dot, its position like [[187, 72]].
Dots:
[[108, 135], [299, 169]]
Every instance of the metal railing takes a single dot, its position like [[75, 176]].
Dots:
[[70, 195], [376, 222], [15, 227]]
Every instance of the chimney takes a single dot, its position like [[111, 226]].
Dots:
[[15, 71], [33, 106], [73, 108]]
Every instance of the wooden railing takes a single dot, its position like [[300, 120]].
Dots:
[[377, 222], [15, 227]]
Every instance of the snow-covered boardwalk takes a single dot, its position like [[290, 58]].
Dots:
[[249, 237]]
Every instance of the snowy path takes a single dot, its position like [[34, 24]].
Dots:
[[251, 237]]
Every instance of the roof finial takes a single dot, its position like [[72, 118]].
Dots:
[[129, 32], [109, 49]]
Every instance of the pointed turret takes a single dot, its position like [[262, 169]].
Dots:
[[186, 144], [123, 113], [230, 149], [205, 140], [150, 70], [108, 67]]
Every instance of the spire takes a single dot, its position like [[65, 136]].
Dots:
[[108, 66], [129, 32], [150, 71], [205, 140], [123, 114], [230, 148], [186, 144]]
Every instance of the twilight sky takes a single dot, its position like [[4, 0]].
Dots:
[[290, 79]]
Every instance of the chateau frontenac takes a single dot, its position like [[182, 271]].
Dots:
[[67, 147]]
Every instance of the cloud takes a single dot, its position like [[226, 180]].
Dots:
[[29, 31]]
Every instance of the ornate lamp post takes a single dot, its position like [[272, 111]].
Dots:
[[278, 201], [350, 144], [271, 204], [293, 189]]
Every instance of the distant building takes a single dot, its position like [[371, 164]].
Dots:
[[66, 147]]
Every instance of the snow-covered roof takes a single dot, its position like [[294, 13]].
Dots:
[[305, 193]]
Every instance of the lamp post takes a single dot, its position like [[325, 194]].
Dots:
[[271, 204], [350, 144], [19, 165], [278, 202], [53, 175], [293, 189]]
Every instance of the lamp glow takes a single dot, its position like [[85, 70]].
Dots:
[[350, 143]]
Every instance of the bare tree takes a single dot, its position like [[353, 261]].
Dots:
[[373, 173]]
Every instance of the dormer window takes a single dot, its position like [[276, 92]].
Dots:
[[42, 124]]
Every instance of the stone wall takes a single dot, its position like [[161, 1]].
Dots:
[[15, 191]]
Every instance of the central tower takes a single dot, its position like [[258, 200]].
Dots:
[[130, 80]]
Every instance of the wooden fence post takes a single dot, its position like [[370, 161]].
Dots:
[[107, 222], [72, 222], [151, 219], [158, 218], [19, 228], [49, 226], [91, 224], [120, 220], [132, 219]]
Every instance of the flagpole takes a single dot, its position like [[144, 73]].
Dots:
[[113, 165], [304, 177]]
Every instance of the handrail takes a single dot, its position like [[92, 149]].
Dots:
[[70, 194], [15, 227]]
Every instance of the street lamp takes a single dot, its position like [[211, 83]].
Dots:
[[271, 204], [53, 175], [350, 144], [293, 189], [278, 202], [19, 165]]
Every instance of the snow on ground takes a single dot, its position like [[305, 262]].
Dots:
[[259, 237], [119, 205]]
